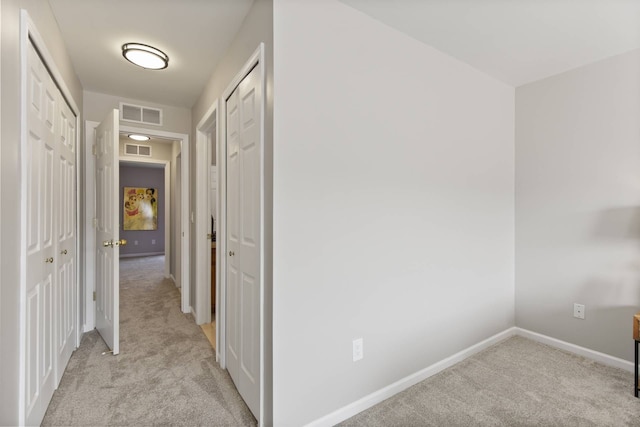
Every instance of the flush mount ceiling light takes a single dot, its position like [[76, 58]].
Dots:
[[145, 56], [137, 137]]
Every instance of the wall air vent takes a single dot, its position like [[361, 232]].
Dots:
[[140, 114], [137, 150]]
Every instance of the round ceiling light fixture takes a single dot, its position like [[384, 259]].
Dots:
[[138, 137], [145, 56]]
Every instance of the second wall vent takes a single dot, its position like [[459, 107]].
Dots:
[[137, 150], [140, 114]]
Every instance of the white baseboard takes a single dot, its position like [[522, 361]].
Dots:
[[603, 358], [173, 279], [376, 397], [141, 254]]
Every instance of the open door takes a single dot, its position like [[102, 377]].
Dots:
[[107, 232]]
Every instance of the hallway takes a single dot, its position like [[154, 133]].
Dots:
[[165, 373]]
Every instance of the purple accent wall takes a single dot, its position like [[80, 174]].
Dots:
[[146, 177]]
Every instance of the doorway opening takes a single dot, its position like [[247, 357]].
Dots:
[[208, 180], [176, 230]]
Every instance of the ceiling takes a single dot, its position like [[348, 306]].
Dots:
[[516, 41], [194, 33]]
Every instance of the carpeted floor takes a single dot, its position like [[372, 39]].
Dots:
[[515, 383], [165, 374]]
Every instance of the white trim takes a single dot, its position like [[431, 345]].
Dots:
[[603, 358], [208, 124], [256, 59], [173, 279], [28, 30], [384, 393]]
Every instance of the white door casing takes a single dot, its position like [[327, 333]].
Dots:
[[244, 237], [205, 134], [107, 232]]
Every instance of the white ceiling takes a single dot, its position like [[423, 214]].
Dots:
[[194, 33], [516, 41]]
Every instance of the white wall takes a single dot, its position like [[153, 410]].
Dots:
[[393, 207], [578, 204], [45, 22]]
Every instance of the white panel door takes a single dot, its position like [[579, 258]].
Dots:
[[243, 238], [66, 300], [107, 232], [41, 170]]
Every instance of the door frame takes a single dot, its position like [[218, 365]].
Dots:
[[255, 60], [30, 34], [89, 203], [209, 122]]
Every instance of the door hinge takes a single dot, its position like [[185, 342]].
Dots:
[[93, 149], [94, 295]]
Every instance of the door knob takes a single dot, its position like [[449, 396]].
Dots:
[[63, 252], [231, 253], [121, 242], [49, 260], [107, 243]]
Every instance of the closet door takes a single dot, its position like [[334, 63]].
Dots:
[[51, 301], [66, 301], [41, 173], [244, 238]]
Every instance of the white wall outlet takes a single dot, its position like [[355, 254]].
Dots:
[[135, 243], [358, 349], [578, 311], [153, 241]]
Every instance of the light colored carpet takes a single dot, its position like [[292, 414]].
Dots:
[[518, 382], [165, 374]]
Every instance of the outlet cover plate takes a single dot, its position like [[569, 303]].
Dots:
[[578, 311], [358, 349]]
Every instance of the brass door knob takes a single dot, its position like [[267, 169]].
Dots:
[[107, 243], [121, 242], [63, 252], [49, 260]]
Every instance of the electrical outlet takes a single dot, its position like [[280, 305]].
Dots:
[[153, 241], [578, 311], [358, 349]]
